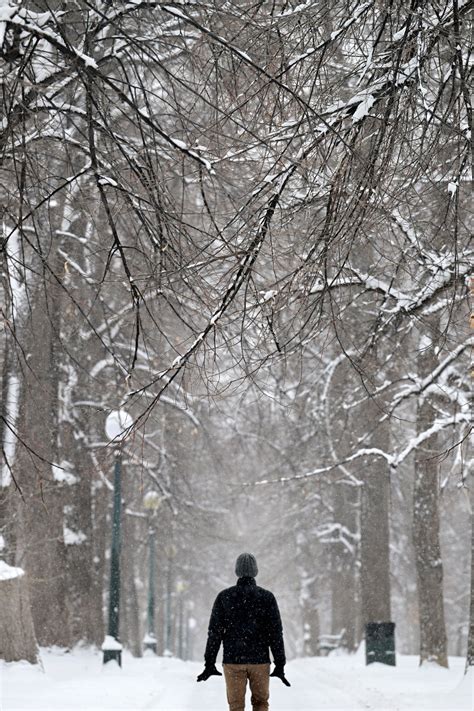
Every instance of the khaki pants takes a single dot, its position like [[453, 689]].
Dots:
[[236, 676]]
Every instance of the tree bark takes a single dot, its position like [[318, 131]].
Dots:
[[41, 550], [8, 408], [470, 639], [375, 550], [345, 500], [131, 633], [12, 284], [429, 565], [311, 625], [375, 502], [343, 570], [76, 424], [17, 634], [85, 593]]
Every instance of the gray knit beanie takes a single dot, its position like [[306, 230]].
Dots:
[[246, 566]]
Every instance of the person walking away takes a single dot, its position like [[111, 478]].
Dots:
[[246, 619]]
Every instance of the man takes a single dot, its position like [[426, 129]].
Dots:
[[246, 619]]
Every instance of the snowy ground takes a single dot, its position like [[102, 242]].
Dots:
[[78, 681]]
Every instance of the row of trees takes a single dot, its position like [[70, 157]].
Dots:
[[237, 221]]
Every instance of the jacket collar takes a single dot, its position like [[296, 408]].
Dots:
[[246, 580]]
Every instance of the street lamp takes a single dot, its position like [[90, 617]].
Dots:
[[151, 502], [116, 426]]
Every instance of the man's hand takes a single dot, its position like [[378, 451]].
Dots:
[[209, 671], [280, 673]]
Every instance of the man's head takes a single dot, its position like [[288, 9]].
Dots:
[[246, 566]]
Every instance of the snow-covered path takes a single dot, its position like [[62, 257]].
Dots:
[[78, 681]]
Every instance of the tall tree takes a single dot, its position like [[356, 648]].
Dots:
[[429, 564], [41, 547]]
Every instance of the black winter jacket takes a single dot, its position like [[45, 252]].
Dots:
[[247, 620]]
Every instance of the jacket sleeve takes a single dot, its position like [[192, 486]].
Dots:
[[215, 633], [276, 643]]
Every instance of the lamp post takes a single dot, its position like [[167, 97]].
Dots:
[[116, 426], [151, 502]]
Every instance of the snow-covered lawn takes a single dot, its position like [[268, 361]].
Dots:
[[79, 681]]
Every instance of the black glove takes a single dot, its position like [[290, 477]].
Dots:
[[208, 671], [280, 673]]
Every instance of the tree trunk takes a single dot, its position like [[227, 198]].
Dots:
[[12, 279], [429, 565], [375, 503], [84, 584], [470, 639], [84, 592], [17, 634], [375, 552], [345, 499], [311, 626], [131, 633], [343, 569], [41, 550], [9, 413]]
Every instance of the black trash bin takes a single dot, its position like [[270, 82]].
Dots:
[[380, 643]]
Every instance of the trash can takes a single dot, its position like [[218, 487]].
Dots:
[[380, 643]]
